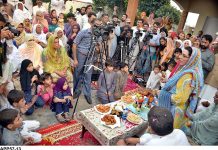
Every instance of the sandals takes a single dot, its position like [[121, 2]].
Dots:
[[67, 116], [60, 118]]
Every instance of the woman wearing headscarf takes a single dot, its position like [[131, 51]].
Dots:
[[21, 38], [56, 60], [186, 43], [60, 34], [29, 80], [39, 19], [178, 44], [40, 37], [168, 51], [32, 51], [27, 26], [20, 13], [180, 93]]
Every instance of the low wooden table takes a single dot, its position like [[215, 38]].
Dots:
[[90, 120]]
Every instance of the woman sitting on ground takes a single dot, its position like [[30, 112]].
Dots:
[[56, 60]]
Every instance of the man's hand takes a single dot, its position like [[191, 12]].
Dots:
[[75, 63], [6, 34]]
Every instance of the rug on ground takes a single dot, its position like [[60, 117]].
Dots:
[[66, 134]]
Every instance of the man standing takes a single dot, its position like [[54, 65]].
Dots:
[[68, 26], [85, 16], [38, 7], [123, 20], [208, 58], [81, 48]]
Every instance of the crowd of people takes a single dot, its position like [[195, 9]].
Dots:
[[43, 56]]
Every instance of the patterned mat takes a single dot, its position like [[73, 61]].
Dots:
[[66, 134]]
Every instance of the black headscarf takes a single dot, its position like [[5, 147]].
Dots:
[[26, 76]]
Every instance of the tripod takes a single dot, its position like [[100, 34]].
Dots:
[[133, 52], [87, 66]]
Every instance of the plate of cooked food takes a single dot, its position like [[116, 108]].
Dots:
[[111, 121], [133, 118], [127, 99], [103, 109]]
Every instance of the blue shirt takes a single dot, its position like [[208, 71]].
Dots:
[[83, 41], [67, 29]]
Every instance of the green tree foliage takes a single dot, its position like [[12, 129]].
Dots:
[[122, 4], [170, 11], [152, 5]]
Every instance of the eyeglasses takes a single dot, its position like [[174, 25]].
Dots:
[[184, 56]]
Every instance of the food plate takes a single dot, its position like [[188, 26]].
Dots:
[[133, 118], [127, 99], [103, 107], [117, 124]]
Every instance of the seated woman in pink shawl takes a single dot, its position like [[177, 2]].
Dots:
[[39, 19], [32, 51]]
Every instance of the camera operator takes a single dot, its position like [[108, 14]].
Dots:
[[81, 48], [113, 35], [6, 47], [136, 43], [151, 42], [105, 19]]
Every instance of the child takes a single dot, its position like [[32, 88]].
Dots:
[[28, 80], [62, 100], [154, 78], [53, 25], [121, 79], [45, 91], [164, 66], [106, 90], [11, 122], [160, 131], [16, 99], [166, 75], [61, 21], [177, 53]]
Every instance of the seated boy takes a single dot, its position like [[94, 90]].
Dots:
[[16, 99], [159, 132], [11, 122]]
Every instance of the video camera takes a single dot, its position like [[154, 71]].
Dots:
[[103, 31], [148, 36], [11, 28], [139, 33]]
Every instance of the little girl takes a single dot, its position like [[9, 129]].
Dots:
[[62, 100], [106, 90], [45, 91], [29, 81], [154, 78], [166, 75], [53, 25], [121, 79]]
